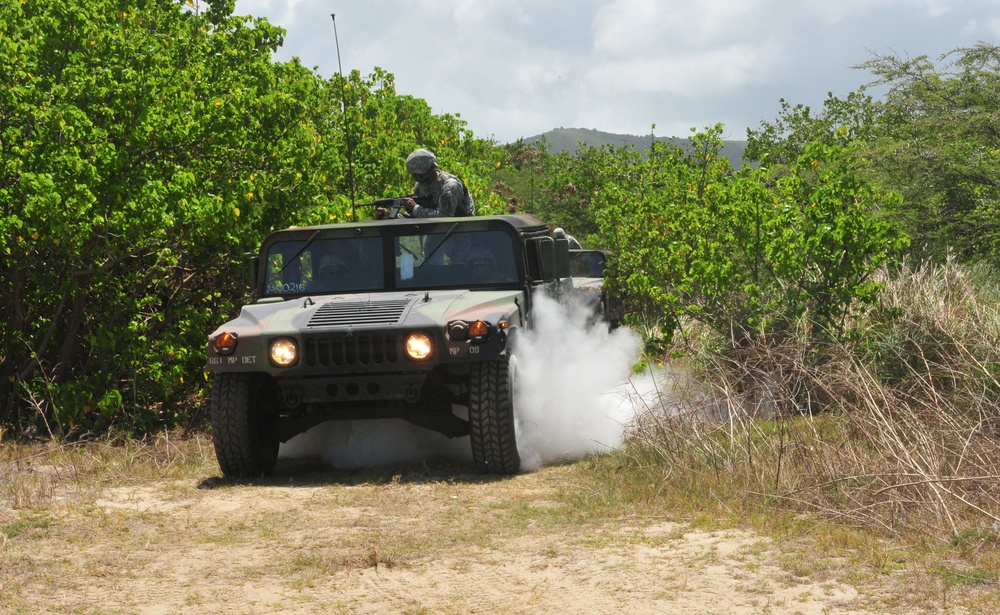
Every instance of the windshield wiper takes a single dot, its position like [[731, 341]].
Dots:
[[299, 253], [453, 228]]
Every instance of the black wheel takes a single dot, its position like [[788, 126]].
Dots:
[[491, 416], [243, 415]]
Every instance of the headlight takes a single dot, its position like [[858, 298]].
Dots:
[[284, 352], [419, 346]]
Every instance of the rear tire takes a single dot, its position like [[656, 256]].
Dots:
[[491, 416], [244, 412]]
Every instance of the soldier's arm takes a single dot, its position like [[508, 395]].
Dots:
[[446, 204], [452, 197], [419, 211]]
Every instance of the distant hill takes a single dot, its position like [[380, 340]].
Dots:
[[569, 139]]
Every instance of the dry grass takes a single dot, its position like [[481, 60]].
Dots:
[[893, 437], [154, 514], [34, 475]]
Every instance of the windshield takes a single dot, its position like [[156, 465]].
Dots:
[[454, 259], [324, 266], [449, 258]]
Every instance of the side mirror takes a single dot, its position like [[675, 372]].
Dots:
[[562, 258], [542, 259], [251, 267], [587, 263]]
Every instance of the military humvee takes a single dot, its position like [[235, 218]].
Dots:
[[404, 318], [587, 270]]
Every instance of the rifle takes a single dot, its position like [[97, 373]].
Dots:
[[396, 203]]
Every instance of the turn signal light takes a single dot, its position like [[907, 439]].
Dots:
[[225, 343], [479, 331]]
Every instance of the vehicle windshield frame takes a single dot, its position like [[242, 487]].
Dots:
[[311, 241]]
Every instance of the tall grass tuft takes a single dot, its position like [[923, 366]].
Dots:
[[34, 475], [897, 427]]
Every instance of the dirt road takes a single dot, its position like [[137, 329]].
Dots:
[[423, 540]]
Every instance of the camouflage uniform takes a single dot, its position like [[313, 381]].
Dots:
[[573, 243], [449, 197]]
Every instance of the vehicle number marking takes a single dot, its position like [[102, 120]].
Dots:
[[287, 287], [473, 349]]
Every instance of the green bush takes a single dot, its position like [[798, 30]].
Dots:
[[698, 242], [144, 147]]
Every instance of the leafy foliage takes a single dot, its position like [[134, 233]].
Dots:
[[842, 122], [560, 189], [934, 140], [945, 151], [747, 252], [143, 146], [699, 242]]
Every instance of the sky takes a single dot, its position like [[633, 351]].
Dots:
[[517, 68]]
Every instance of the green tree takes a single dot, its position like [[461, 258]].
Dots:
[[843, 121], [384, 127], [945, 152], [933, 139], [560, 189], [121, 178], [518, 175], [697, 241], [144, 146]]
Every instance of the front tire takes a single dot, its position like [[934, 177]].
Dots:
[[491, 417], [244, 412]]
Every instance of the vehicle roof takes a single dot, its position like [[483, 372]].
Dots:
[[523, 223]]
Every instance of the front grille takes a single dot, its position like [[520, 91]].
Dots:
[[347, 313], [351, 350]]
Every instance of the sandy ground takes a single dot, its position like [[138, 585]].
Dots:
[[312, 540]]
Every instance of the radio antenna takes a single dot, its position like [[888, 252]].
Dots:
[[347, 123]]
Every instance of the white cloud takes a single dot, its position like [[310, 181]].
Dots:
[[692, 76], [626, 27], [278, 12], [519, 67], [471, 13], [983, 28], [534, 76], [853, 10]]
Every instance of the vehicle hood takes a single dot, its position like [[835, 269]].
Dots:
[[410, 309]]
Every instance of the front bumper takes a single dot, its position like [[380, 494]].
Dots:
[[350, 389]]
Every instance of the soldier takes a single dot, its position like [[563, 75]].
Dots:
[[449, 195], [339, 270], [573, 243], [482, 266], [330, 274]]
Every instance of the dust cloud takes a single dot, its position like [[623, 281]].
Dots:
[[575, 396]]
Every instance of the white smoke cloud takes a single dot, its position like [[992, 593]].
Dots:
[[574, 397], [569, 399]]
